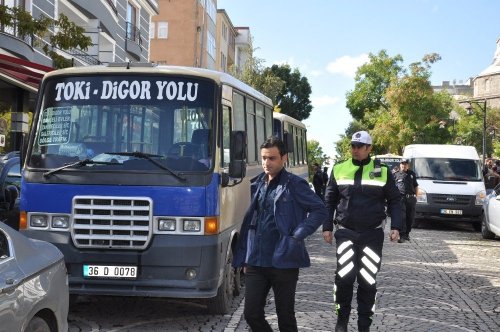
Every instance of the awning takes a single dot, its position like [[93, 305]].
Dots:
[[22, 73]]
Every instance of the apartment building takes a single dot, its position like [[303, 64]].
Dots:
[[119, 30], [184, 33], [226, 39]]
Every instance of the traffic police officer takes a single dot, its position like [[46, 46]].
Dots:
[[406, 181], [357, 193]]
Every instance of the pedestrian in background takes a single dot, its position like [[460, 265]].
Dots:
[[406, 181], [283, 212], [318, 180], [357, 194], [325, 179]]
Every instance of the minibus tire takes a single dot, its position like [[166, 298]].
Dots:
[[221, 303]]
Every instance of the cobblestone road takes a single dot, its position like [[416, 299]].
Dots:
[[444, 279]]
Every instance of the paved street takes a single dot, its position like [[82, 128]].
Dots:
[[445, 279]]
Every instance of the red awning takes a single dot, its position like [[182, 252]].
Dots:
[[22, 73]]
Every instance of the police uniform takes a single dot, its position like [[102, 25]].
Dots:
[[357, 194], [406, 181]]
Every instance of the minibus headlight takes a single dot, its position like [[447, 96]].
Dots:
[[191, 225], [166, 225], [480, 196], [38, 220], [60, 222]]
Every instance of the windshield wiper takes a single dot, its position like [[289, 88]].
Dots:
[[427, 177], [149, 157], [79, 163]]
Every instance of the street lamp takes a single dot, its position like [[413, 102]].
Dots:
[[482, 105]]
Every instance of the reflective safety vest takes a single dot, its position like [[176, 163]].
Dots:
[[362, 196]]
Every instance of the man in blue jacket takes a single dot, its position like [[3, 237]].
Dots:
[[282, 213]]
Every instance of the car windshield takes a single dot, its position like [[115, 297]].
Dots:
[[447, 169], [115, 121]]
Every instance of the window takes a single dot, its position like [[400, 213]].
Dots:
[[260, 126], [152, 28], [211, 47], [162, 30], [226, 134], [211, 10], [131, 21], [250, 111], [239, 112], [223, 62]]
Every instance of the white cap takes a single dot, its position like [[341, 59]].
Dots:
[[361, 137]]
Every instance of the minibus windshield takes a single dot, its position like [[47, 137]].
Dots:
[[114, 121]]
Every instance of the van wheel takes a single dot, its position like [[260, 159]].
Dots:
[[221, 303], [484, 230], [38, 324]]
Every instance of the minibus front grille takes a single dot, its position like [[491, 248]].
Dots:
[[450, 200], [112, 222]]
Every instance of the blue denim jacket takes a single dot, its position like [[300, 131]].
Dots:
[[298, 213]]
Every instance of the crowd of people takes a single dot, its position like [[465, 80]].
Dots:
[[491, 173], [351, 204]]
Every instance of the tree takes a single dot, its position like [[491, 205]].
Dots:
[[397, 105], [293, 98], [68, 34], [315, 154], [371, 82]]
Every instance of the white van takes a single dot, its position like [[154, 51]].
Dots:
[[450, 182]]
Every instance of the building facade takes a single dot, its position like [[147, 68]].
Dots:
[[184, 33], [487, 83], [226, 39], [119, 30]]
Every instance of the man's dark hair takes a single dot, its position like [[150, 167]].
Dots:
[[272, 142]]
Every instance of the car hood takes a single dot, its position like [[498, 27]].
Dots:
[[32, 255]]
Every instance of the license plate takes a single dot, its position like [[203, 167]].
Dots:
[[109, 271], [455, 212]]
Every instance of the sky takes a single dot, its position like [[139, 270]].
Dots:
[[327, 40]]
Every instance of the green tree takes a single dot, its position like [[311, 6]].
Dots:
[[315, 154], [293, 98], [68, 34], [397, 105]]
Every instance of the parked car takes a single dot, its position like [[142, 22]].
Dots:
[[34, 294], [490, 225], [10, 185]]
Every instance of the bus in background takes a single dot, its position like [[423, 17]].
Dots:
[[140, 175], [293, 133], [391, 160]]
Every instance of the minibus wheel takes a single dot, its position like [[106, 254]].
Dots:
[[221, 303]]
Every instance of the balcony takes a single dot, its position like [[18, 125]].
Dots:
[[133, 41]]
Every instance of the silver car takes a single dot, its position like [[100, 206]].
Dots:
[[490, 225], [34, 292]]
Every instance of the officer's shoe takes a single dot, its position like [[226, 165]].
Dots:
[[363, 328], [402, 239], [342, 324]]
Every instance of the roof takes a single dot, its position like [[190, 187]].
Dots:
[[22, 73]]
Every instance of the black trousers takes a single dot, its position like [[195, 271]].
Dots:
[[359, 257], [258, 282], [408, 213]]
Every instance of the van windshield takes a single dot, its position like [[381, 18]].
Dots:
[[447, 169]]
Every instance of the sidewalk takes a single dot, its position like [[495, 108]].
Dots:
[[439, 281]]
